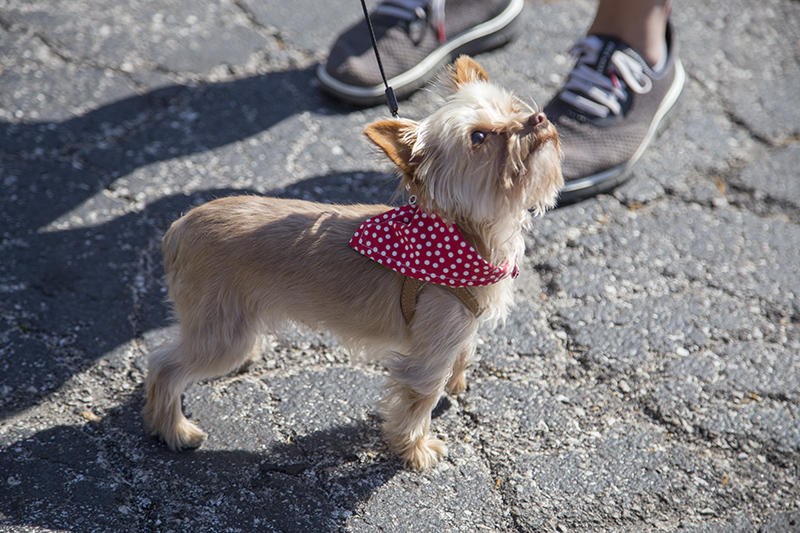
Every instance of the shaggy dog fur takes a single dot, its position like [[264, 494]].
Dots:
[[238, 266]]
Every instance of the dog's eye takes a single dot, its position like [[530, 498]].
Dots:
[[477, 138]]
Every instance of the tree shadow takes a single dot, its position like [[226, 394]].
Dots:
[[51, 167], [109, 476]]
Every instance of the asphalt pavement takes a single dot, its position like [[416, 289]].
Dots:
[[648, 380]]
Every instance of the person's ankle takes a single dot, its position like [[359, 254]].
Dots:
[[644, 33], [653, 51]]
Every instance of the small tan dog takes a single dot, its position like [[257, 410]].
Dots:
[[237, 266]]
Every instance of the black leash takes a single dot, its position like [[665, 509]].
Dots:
[[391, 99]]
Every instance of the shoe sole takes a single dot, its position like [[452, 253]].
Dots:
[[580, 189], [487, 36]]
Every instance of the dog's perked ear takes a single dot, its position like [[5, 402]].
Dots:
[[466, 70], [396, 138]]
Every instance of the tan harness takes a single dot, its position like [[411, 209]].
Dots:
[[410, 291]]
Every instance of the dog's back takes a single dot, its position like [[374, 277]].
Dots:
[[279, 259]]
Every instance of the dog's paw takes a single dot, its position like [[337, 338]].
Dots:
[[186, 436], [457, 383], [424, 453]]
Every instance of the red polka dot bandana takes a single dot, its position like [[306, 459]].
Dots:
[[422, 246]]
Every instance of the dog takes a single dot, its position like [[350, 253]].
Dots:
[[474, 172]]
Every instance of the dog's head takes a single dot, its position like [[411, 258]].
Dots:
[[484, 154]]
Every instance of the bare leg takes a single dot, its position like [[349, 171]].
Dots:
[[638, 23]]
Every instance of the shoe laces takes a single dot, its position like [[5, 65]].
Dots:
[[412, 10], [600, 93]]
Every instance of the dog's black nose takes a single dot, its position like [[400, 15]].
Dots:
[[536, 119]]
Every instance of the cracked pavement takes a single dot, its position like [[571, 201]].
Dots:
[[648, 380]]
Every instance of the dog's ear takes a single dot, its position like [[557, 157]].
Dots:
[[396, 138], [466, 70]]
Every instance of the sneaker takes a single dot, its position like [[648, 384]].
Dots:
[[416, 38], [609, 111]]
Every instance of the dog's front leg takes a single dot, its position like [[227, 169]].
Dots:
[[441, 342], [407, 426], [458, 380]]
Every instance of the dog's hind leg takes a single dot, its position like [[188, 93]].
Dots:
[[166, 380], [204, 352], [440, 341]]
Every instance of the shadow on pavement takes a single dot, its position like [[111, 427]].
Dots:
[[81, 293], [110, 476], [55, 166], [71, 296]]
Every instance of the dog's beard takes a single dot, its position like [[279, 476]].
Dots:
[[487, 189]]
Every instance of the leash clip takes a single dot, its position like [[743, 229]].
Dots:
[[391, 99]]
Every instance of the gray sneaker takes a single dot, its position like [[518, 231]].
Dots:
[[416, 38], [609, 111]]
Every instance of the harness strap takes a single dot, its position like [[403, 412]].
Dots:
[[412, 287]]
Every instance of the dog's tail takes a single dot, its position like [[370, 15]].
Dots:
[[170, 245]]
